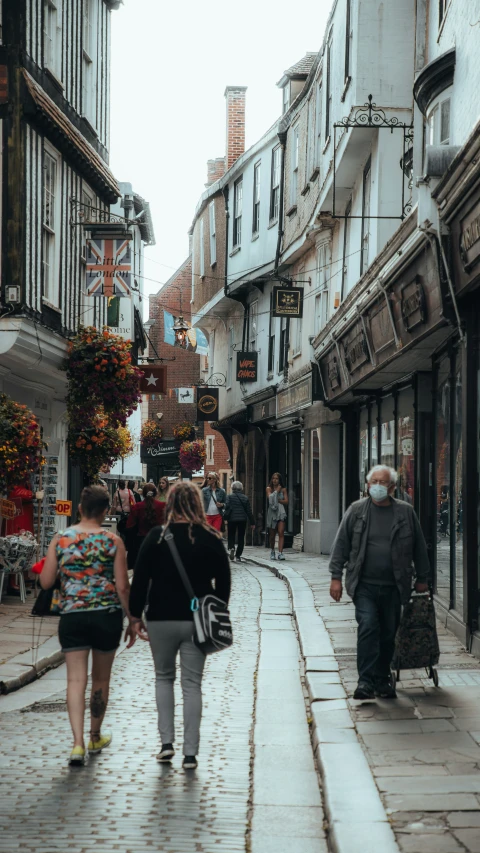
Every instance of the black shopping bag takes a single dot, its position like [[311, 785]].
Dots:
[[416, 643]]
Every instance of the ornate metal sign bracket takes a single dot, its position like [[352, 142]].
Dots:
[[215, 380], [371, 117]]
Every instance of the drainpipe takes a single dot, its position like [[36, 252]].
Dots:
[[227, 217], [282, 136]]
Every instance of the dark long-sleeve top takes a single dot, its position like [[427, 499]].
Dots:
[[137, 518], [204, 559], [240, 509]]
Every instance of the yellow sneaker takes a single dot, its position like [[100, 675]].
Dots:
[[77, 757], [99, 743]]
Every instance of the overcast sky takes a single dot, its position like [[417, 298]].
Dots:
[[171, 63]]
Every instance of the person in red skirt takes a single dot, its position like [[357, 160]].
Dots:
[[214, 499]]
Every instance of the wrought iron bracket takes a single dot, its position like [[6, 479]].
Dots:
[[215, 380], [371, 117]]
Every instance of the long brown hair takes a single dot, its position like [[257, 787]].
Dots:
[[149, 491], [280, 481], [185, 501]]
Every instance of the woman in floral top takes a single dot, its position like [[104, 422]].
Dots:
[[91, 563]]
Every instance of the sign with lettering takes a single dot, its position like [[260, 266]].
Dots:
[[8, 509], [109, 267], [287, 302], [355, 349], [381, 329], [207, 404], [165, 451], [412, 304], [247, 366], [470, 238], [63, 507], [295, 397], [265, 409]]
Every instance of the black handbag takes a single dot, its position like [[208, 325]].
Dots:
[[212, 628], [46, 602]]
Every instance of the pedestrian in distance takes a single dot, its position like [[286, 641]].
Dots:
[[214, 499], [378, 540], [123, 500], [163, 487], [91, 562], [136, 496], [276, 514], [141, 519], [237, 512], [169, 628]]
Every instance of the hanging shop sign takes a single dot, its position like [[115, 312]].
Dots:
[[154, 380], [247, 366], [207, 404], [288, 302], [412, 304], [164, 452], [295, 397], [355, 349], [470, 238], [109, 267], [381, 328]]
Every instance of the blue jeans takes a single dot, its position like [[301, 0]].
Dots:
[[377, 611]]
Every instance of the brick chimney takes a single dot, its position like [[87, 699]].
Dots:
[[235, 96], [215, 170]]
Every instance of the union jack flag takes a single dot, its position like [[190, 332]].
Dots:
[[109, 268]]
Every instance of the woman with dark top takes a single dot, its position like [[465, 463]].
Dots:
[[94, 586], [276, 513], [237, 512], [157, 584], [131, 485], [142, 518]]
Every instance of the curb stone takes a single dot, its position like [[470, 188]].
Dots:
[[49, 657], [356, 815]]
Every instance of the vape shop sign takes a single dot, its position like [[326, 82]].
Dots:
[[247, 366]]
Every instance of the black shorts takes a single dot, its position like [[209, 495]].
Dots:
[[99, 630]]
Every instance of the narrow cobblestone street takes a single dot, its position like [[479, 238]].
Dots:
[[256, 787]]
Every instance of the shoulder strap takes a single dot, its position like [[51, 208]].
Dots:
[[168, 537]]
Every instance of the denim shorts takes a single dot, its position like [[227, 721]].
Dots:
[[100, 630]]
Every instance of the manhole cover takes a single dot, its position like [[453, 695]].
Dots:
[[45, 707]]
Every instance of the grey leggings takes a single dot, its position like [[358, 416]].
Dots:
[[166, 640]]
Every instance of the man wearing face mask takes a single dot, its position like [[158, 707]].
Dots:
[[378, 540]]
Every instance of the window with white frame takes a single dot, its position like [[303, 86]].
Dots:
[[297, 337], [366, 197], [231, 344], [322, 291], [285, 98], [294, 164], [256, 198], [210, 450], [282, 344], [50, 227], [438, 123], [213, 233], [275, 183], [88, 63], [310, 138], [252, 326], [328, 89], [237, 212], [202, 250], [52, 36]]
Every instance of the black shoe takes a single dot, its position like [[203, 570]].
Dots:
[[190, 762], [385, 689], [364, 691], [166, 753]]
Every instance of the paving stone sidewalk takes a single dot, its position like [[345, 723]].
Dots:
[[28, 644], [250, 793], [424, 747]]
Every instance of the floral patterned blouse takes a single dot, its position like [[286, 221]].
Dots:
[[86, 570]]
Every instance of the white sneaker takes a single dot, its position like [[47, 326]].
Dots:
[[272, 555], [280, 556]]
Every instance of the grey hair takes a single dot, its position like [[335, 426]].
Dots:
[[237, 486], [377, 468]]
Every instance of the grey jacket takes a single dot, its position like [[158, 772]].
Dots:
[[238, 508], [407, 542], [220, 497]]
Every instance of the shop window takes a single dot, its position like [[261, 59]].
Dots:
[[364, 463], [315, 475], [406, 445], [457, 496], [374, 448], [442, 471], [387, 436]]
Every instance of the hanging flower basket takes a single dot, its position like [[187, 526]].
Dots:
[[20, 444], [100, 372], [184, 431], [192, 455], [151, 433], [98, 444]]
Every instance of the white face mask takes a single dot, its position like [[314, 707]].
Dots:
[[378, 492]]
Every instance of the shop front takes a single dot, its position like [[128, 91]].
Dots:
[[457, 401]]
